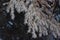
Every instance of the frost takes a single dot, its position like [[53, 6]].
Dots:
[[18, 5], [36, 19]]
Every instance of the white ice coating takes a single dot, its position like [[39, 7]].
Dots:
[[35, 18]]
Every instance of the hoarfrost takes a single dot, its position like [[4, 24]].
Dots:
[[36, 19]]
